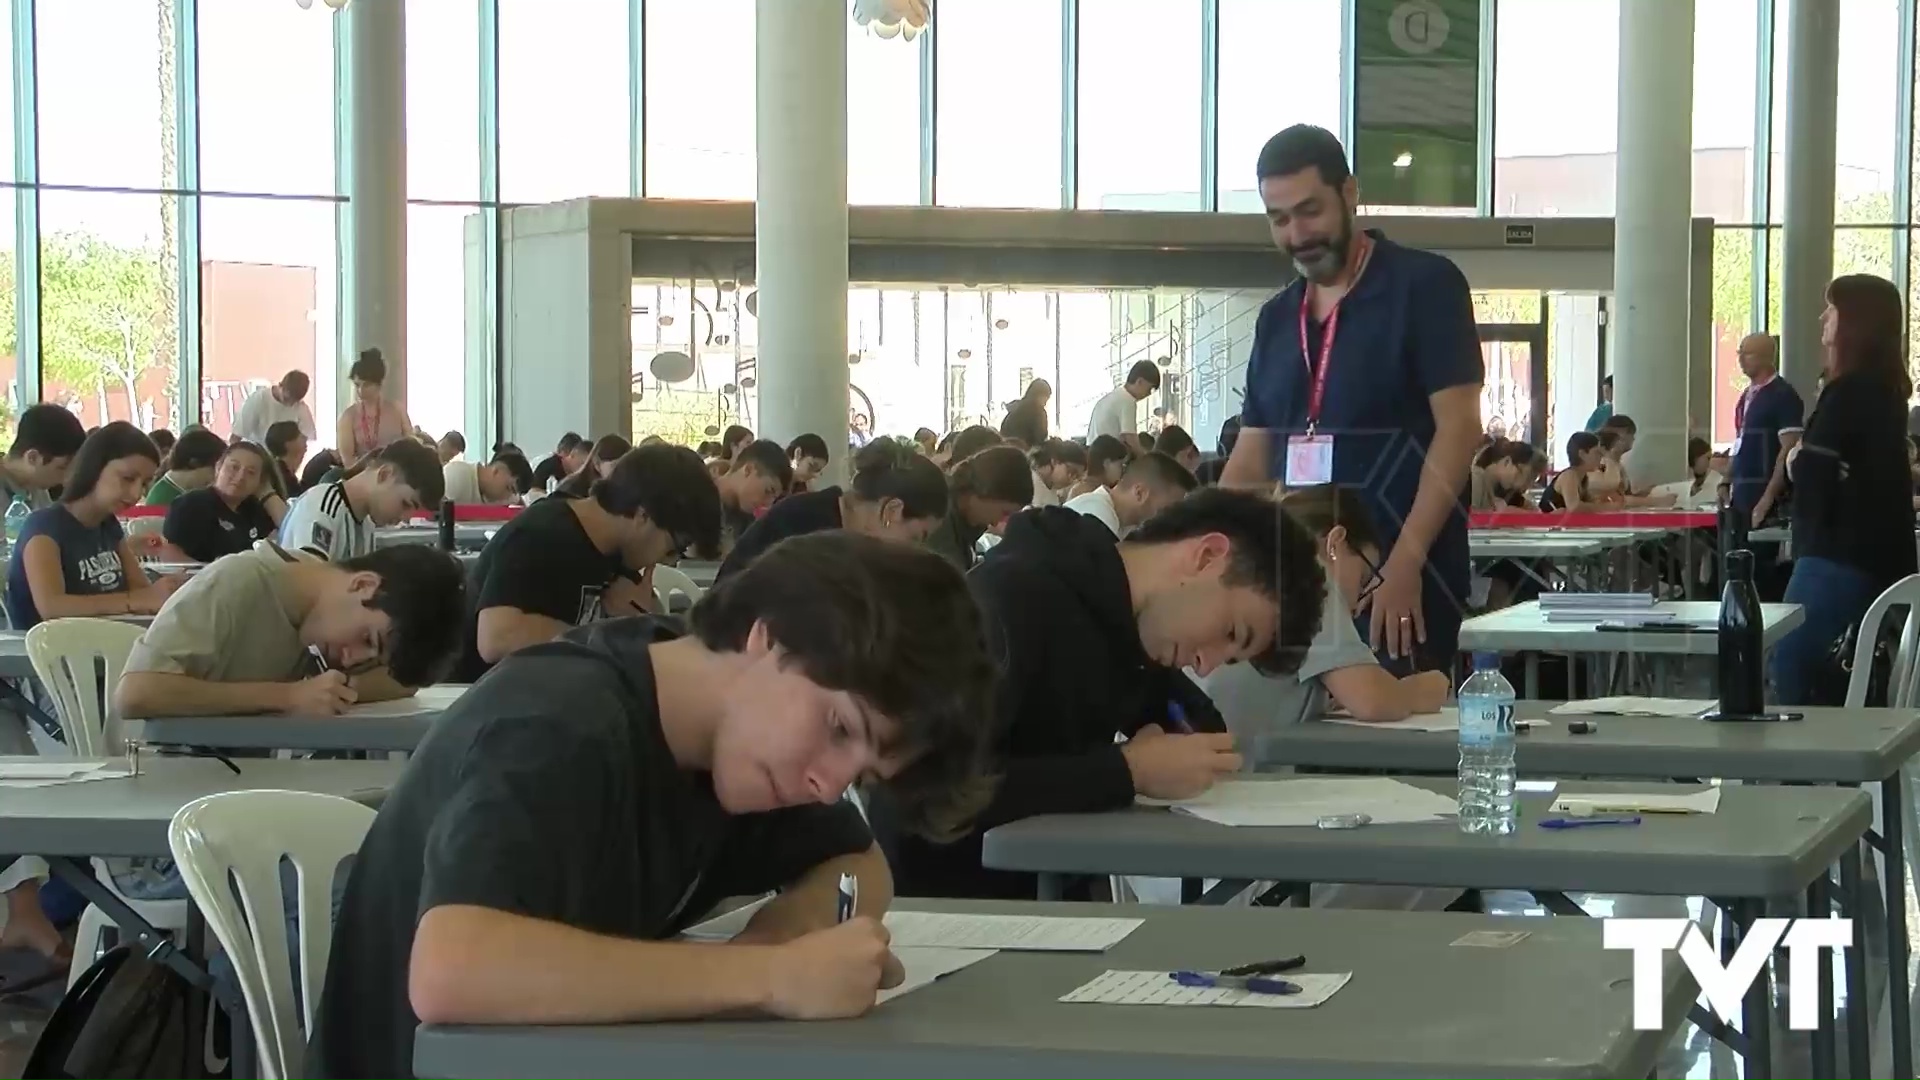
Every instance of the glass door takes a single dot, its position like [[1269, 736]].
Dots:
[[1513, 400]]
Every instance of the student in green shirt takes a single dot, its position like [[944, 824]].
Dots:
[[190, 466], [43, 447]]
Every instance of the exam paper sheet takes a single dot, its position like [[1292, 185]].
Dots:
[[1024, 933], [1158, 988]]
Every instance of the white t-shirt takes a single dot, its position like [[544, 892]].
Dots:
[[1042, 494], [1098, 503], [1115, 414], [321, 522], [463, 481], [262, 410], [1253, 704]]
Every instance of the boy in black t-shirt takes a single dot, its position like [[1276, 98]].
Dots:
[[563, 562], [558, 827]]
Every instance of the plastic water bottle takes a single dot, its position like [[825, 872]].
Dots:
[[17, 514], [1486, 750]]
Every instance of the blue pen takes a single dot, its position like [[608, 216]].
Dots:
[[1177, 716], [1252, 984], [1575, 823], [849, 897]]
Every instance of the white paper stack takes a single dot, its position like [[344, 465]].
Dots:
[[1560, 608], [1305, 801], [34, 772], [1635, 706]]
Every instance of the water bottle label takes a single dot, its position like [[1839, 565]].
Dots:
[[1483, 723]]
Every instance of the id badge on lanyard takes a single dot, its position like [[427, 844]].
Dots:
[[1310, 456]]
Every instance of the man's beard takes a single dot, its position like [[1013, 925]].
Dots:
[[1321, 265]]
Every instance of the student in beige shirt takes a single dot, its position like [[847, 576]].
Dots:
[[267, 631]]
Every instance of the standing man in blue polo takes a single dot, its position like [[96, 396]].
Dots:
[[1766, 424], [1366, 373]]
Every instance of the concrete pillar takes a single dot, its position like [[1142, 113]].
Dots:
[[800, 219], [377, 190], [1652, 246], [1806, 234]]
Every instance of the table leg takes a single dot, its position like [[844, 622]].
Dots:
[[1820, 906], [1051, 887], [1756, 1012], [1859, 1009], [1893, 808]]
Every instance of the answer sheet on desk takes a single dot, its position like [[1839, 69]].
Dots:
[[1634, 706], [1304, 801], [926, 966], [33, 772], [428, 699], [1447, 719], [1627, 802], [1158, 988], [1025, 933]]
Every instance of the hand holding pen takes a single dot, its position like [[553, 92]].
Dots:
[[324, 693], [1178, 766]]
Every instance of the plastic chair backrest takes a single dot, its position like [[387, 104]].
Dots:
[[234, 842], [1903, 687], [668, 580], [67, 657]]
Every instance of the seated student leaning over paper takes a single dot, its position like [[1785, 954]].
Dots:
[[596, 795], [336, 519], [240, 636], [1091, 635], [563, 562]]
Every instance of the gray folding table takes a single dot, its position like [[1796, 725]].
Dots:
[[1764, 844], [1555, 1005], [376, 734], [1830, 746]]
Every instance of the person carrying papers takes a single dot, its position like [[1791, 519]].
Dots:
[[1338, 664], [594, 796], [1091, 636]]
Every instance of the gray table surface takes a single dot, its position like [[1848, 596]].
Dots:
[[1832, 746], [1555, 1005], [383, 734], [1763, 842], [1523, 628], [129, 816]]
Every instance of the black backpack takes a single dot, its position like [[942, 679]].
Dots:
[[130, 1016]]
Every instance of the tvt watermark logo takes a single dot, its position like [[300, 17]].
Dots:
[[1725, 986]]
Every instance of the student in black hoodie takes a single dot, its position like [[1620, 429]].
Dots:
[[1091, 636]]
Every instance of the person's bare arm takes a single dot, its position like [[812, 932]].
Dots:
[[1777, 480], [1449, 461], [1250, 464], [49, 586], [813, 902], [1371, 692], [155, 693], [505, 630], [477, 965]]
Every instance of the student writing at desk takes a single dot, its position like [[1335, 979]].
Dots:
[[241, 635], [594, 796], [337, 519], [563, 562], [72, 558], [1091, 637]]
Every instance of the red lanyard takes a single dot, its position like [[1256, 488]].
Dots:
[[1317, 370]]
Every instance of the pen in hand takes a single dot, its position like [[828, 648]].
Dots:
[[1177, 719]]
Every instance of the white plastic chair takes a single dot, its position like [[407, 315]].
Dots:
[[69, 657], [1903, 686], [668, 580], [234, 842]]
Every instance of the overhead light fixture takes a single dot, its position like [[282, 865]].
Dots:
[[888, 19], [334, 4]]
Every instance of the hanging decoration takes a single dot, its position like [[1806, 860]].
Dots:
[[904, 19]]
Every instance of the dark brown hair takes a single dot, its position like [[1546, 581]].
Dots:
[[1869, 334]]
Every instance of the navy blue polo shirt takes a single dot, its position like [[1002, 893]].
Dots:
[[1406, 331], [1769, 410]]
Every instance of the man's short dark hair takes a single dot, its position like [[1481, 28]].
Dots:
[[768, 457], [280, 436], [418, 465], [1158, 470], [568, 443], [1145, 371], [672, 486], [894, 626], [424, 591], [1620, 422], [49, 429], [296, 383], [971, 441], [517, 466], [196, 448], [808, 445], [1301, 147], [1174, 441], [1270, 552], [455, 440], [1607, 382]]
